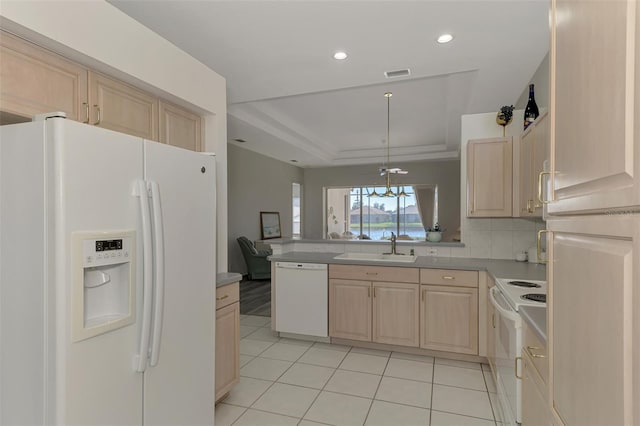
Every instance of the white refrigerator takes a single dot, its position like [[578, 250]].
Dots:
[[107, 278]]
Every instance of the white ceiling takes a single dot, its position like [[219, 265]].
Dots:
[[290, 100]]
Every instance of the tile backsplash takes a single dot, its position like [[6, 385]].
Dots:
[[496, 238]]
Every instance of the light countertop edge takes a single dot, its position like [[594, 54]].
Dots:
[[536, 318], [405, 243], [498, 268], [225, 278]]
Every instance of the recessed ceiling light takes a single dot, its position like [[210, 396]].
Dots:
[[445, 38], [340, 55]]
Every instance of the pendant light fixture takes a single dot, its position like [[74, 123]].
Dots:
[[386, 170]]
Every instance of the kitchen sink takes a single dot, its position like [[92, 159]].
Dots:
[[378, 257]]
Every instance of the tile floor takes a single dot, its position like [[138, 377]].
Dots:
[[291, 382]]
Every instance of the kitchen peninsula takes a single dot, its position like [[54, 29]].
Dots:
[[434, 305]]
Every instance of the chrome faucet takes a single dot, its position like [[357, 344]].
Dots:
[[393, 244]]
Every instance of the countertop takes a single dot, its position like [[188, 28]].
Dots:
[[496, 267], [225, 278], [536, 318]]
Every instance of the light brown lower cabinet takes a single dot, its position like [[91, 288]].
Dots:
[[449, 319], [227, 339], [350, 309], [374, 312], [535, 406], [396, 314]]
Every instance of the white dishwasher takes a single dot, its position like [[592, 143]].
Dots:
[[301, 300]]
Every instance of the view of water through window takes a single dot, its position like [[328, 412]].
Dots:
[[364, 213]]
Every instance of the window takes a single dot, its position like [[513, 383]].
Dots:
[[360, 213], [296, 202]]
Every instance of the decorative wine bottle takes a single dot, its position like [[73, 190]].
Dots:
[[531, 111]]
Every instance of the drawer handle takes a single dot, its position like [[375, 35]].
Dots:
[[371, 273], [448, 277], [516, 367], [531, 348], [222, 297]]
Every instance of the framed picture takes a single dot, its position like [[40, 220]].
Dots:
[[270, 225]]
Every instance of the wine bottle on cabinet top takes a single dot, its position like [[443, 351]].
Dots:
[[531, 111]]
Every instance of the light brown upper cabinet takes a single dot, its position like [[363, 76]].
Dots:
[[534, 150], [118, 106], [180, 127], [489, 177], [35, 81], [595, 68]]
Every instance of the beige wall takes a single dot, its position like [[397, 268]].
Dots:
[[445, 174], [257, 183], [541, 80]]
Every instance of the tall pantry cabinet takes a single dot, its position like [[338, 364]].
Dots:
[[593, 225]]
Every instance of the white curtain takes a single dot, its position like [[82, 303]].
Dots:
[[425, 201]]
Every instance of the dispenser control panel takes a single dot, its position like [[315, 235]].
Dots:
[[104, 286], [100, 252]]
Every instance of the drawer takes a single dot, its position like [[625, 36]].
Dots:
[[537, 351], [374, 273], [227, 295], [449, 277]]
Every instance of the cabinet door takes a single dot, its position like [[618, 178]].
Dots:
[[180, 127], [526, 171], [594, 319], [449, 319], [350, 309], [35, 81], [227, 348], [534, 150], [489, 177], [123, 108], [540, 154], [396, 314], [596, 76], [535, 409]]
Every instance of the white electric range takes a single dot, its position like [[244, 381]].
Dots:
[[507, 297], [520, 292]]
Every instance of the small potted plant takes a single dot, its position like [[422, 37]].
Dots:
[[434, 233]]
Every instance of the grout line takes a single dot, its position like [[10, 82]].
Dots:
[[465, 415], [433, 377], [377, 389], [489, 396]]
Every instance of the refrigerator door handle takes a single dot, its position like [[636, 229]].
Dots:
[[158, 286], [140, 359]]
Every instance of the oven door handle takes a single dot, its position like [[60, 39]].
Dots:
[[508, 313]]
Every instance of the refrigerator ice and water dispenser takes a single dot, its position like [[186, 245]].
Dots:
[[104, 282]]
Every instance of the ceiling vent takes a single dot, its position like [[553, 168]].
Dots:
[[397, 73]]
